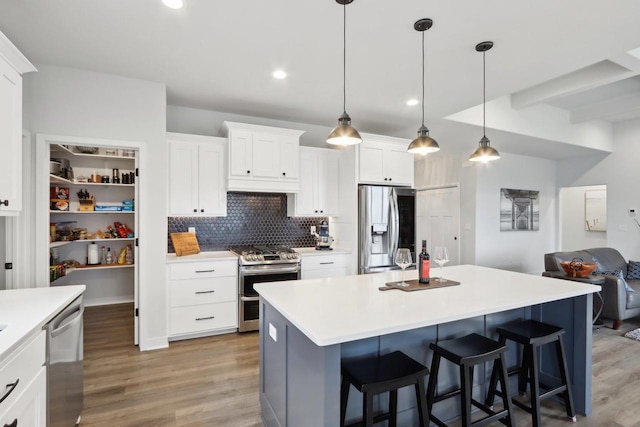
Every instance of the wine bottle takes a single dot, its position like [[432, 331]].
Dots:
[[424, 264]]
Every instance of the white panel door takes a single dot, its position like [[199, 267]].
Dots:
[[240, 157], [212, 196], [306, 198], [329, 184], [398, 165], [10, 140], [439, 218], [289, 157], [371, 162], [266, 156], [183, 178]]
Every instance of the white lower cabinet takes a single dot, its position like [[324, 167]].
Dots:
[[324, 266], [24, 381], [203, 298]]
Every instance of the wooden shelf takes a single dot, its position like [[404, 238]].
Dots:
[[71, 270], [91, 212], [95, 156], [55, 179], [119, 239]]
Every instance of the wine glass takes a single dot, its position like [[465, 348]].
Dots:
[[441, 257], [403, 260]]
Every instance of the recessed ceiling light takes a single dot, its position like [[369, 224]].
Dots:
[[173, 4], [412, 102], [279, 74]]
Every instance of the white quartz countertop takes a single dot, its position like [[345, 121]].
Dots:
[[202, 256], [305, 252], [342, 309], [25, 311]]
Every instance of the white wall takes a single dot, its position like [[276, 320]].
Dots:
[[621, 174], [514, 250], [73, 102], [573, 233]]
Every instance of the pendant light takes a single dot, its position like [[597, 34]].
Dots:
[[423, 144], [344, 134], [485, 152]]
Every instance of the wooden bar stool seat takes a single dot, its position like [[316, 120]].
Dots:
[[467, 352], [533, 334], [380, 374]]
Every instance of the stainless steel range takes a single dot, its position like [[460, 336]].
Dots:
[[258, 264]]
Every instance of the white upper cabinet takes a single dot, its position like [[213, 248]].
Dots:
[[197, 173], [319, 184], [12, 66], [262, 158], [384, 160]]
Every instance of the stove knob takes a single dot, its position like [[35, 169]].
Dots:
[[252, 257], [285, 256]]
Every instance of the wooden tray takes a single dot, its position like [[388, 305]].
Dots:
[[414, 285], [185, 243]]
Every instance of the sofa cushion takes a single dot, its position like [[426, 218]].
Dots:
[[619, 275], [633, 270]]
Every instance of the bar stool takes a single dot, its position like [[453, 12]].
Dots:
[[533, 334], [380, 374], [467, 352]]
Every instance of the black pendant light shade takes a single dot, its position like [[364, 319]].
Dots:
[[344, 134], [423, 144], [484, 153]]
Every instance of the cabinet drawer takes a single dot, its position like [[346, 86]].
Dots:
[[315, 262], [203, 291], [325, 273], [30, 408], [22, 367], [204, 269], [197, 318]]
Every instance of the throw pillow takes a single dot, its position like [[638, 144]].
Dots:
[[633, 270], [618, 274]]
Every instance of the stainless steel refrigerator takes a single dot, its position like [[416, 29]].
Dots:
[[386, 222]]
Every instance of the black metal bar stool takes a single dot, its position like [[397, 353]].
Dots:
[[380, 374], [533, 334], [467, 352]]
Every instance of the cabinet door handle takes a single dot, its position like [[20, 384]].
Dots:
[[14, 423], [204, 292], [316, 211], [327, 263], [201, 210], [389, 179], [284, 174], [4, 202], [195, 210], [321, 211], [205, 318], [248, 172], [385, 179], [11, 387], [205, 271]]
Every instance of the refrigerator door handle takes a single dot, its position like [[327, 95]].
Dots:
[[395, 223]]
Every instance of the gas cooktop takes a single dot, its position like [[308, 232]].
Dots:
[[265, 254]]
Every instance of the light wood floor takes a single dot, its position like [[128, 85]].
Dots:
[[214, 381]]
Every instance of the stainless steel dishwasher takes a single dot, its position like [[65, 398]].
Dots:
[[64, 366]]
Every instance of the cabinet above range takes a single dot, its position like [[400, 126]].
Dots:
[[262, 158]]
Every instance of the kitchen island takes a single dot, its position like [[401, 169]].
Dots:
[[307, 327]]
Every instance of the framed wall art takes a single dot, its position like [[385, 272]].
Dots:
[[595, 210], [519, 210]]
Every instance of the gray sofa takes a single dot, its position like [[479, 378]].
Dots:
[[619, 304]]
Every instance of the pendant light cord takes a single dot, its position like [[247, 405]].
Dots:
[[484, 94], [422, 78], [344, 57]]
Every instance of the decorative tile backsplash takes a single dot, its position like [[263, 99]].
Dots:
[[252, 219]]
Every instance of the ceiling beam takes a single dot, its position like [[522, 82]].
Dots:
[[613, 109]]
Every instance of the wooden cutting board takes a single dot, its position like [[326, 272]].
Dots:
[[185, 243]]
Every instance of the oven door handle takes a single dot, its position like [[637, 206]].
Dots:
[[253, 271], [249, 299]]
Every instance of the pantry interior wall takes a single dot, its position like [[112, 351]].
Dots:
[[65, 101]]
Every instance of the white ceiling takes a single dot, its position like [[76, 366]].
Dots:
[[219, 55]]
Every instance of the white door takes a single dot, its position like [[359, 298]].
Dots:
[[306, 198], [329, 184], [10, 139], [398, 165], [439, 220], [240, 153], [266, 156], [289, 155], [183, 178], [371, 162], [212, 197]]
